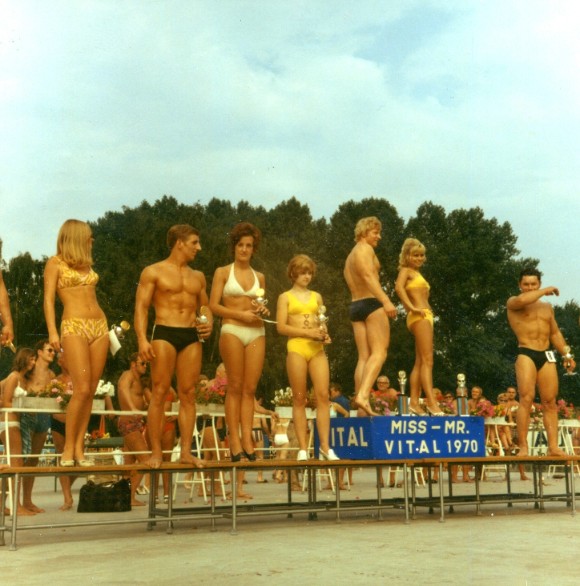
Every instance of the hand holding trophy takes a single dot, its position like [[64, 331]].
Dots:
[[322, 320], [117, 333], [201, 320], [260, 302]]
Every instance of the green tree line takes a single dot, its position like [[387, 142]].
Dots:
[[472, 266]]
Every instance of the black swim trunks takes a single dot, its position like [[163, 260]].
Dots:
[[179, 338], [361, 308], [539, 357]]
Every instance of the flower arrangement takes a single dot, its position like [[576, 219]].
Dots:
[[565, 410], [283, 398], [380, 404], [96, 434], [484, 408], [55, 389], [214, 393], [500, 410], [447, 407], [536, 414]]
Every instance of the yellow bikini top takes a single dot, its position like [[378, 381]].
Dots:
[[297, 307], [69, 277], [417, 282]]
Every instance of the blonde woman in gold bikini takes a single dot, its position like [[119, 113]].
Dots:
[[413, 291], [83, 330]]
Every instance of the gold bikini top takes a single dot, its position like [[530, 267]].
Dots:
[[69, 277]]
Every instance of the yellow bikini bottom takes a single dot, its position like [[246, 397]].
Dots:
[[415, 317], [88, 328]]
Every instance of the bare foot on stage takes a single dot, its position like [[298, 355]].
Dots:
[[136, 503], [191, 461], [557, 453], [24, 512], [524, 477], [33, 508], [240, 495], [66, 506], [155, 462], [523, 451], [364, 405]]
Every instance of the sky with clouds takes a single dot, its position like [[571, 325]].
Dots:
[[461, 102]]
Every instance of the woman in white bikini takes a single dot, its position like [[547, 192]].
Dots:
[[234, 291], [83, 329], [13, 386]]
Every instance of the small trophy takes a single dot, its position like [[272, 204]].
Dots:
[[116, 333], [322, 319], [402, 399], [321, 316], [260, 299], [201, 320], [461, 393]]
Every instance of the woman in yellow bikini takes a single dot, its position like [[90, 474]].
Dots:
[[413, 291], [296, 314], [83, 330]]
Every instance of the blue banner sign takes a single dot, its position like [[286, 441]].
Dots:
[[396, 438]]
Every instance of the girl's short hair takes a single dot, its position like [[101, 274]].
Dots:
[[73, 244], [21, 359], [244, 229], [300, 264], [409, 246], [365, 225]]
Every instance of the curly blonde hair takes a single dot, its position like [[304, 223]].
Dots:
[[410, 245], [365, 225]]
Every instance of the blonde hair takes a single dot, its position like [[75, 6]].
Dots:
[[73, 244], [300, 264], [409, 246], [365, 225]]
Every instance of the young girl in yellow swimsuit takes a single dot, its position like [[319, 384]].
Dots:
[[296, 314], [413, 291], [84, 334]]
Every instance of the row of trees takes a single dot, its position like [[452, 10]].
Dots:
[[472, 268]]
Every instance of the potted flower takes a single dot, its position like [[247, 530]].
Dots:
[[567, 414], [283, 401], [380, 404], [212, 397], [536, 415], [484, 408]]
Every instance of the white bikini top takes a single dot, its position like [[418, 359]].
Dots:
[[19, 391], [233, 289]]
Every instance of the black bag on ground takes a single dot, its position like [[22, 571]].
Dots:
[[109, 497]]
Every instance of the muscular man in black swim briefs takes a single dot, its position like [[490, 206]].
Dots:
[[535, 327], [177, 294]]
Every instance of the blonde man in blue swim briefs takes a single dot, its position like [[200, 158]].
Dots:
[[297, 315], [413, 291], [370, 309]]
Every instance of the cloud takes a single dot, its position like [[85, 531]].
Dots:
[[461, 102]]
